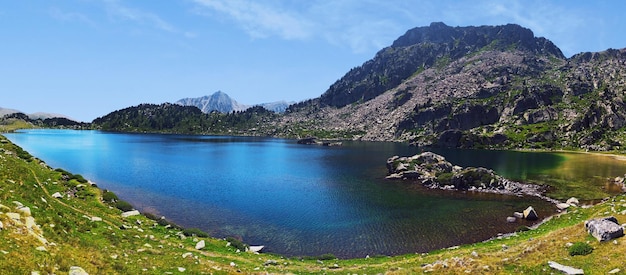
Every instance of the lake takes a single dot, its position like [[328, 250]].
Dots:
[[296, 199]]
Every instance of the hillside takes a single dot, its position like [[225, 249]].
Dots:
[[174, 118], [488, 86], [52, 221]]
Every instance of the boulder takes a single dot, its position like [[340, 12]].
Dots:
[[572, 201], [200, 245], [57, 195], [76, 270], [530, 214], [256, 248], [24, 210], [562, 206], [604, 229], [130, 213], [518, 215], [29, 222], [511, 219], [13, 216], [565, 269]]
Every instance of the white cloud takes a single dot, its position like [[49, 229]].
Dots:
[[116, 10], [58, 14], [260, 20], [352, 24]]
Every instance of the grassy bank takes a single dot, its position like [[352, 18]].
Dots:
[[79, 229]]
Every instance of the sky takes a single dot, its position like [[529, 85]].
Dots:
[[87, 58]]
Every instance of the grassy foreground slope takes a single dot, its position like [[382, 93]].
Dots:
[[47, 234]]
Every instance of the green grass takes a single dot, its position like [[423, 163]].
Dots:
[[148, 246]]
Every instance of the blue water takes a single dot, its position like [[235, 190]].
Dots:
[[294, 199]]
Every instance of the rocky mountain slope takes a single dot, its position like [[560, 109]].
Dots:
[[221, 102], [218, 101], [488, 86]]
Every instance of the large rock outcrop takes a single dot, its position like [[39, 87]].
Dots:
[[432, 170], [604, 229]]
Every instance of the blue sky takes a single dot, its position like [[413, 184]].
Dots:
[[86, 58]]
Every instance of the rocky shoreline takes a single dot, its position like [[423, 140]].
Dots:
[[433, 171]]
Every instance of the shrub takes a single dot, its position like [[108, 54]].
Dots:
[[580, 248], [237, 243], [444, 178], [195, 232], [109, 197], [79, 178], [123, 205]]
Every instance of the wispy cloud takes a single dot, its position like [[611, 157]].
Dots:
[[115, 9], [61, 15], [261, 20], [338, 22]]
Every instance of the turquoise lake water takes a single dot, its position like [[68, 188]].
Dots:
[[294, 199]]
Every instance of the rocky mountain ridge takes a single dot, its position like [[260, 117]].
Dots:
[[468, 87], [223, 103], [474, 87]]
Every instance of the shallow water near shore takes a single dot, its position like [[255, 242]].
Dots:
[[295, 199]]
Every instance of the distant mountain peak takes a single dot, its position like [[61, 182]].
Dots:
[[223, 103], [218, 101]]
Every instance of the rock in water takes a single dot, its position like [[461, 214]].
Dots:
[[565, 269], [604, 229], [530, 214]]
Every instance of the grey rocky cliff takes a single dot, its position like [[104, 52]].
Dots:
[[477, 89]]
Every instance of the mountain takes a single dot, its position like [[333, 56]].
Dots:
[[221, 102], [468, 87], [6, 111], [475, 87], [176, 118], [277, 106], [425, 47], [33, 116], [218, 101]]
